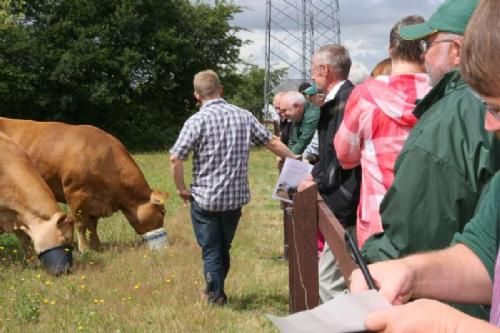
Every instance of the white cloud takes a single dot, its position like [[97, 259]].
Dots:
[[364, 25]]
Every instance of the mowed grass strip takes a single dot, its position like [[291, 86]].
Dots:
[[127, 288]]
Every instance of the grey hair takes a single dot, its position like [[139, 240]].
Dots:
[[294, 97], [336, 56]]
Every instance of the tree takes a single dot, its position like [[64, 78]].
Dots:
[[246, 89], [123, 65]]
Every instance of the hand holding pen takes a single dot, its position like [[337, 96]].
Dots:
[[358, 258]]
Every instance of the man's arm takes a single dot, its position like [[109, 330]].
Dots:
[[177, 170], [347, 140], [426, 205], [455, 274], [276, 146]]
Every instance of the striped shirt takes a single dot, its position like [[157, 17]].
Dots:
[[219, 135]]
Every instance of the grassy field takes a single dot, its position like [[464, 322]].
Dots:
[[127, 288]]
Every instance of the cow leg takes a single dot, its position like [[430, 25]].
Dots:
[[95, 242], [76, 204], [26, 244], [80, 235]]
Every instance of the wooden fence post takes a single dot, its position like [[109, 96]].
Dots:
[[303, 257], [303, 218]]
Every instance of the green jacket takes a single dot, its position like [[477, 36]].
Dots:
[[302, 132], [439, 175]]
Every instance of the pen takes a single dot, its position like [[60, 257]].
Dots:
[[359, 260]]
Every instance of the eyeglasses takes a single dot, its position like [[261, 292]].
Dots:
[[494, 110], [425, 45]]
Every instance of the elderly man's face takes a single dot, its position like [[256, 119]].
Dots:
[[277, 106], [292, 111], [318, 73], [439, 56]]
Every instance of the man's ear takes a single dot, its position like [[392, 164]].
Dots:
[[457, 46], [197, 96]]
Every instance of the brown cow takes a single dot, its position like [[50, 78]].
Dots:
[[27, 206], [92, 172]]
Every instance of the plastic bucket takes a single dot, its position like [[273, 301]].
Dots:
[[57, 260], [156, 239]]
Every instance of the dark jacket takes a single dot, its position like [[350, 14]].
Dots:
[[339, 188]]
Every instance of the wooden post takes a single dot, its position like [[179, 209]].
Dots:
[[287, 220], [334, 236], [303, 257]]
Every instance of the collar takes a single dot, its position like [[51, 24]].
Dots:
[[213, 101], [332, 93], [450, 82]]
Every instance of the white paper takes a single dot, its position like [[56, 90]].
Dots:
[[343, 314], [292, 173]]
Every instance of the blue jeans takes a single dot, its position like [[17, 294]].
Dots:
[[214, 232]]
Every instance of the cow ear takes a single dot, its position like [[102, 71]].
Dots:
[[158, 198], [63, 219]]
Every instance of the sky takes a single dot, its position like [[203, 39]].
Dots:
[[364, 26]]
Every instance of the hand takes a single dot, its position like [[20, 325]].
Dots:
[[185, 196], [306, 183], [395, 278], [421, 316]]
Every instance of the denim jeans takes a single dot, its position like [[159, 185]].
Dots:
[[214, 232]]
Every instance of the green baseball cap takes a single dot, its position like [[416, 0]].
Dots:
[[312, 90], [452, 16]]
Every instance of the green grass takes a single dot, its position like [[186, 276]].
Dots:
[[127, 288]]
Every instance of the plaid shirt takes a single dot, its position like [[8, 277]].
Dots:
[[220, 135], [378, 119]]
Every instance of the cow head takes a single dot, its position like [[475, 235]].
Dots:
[[150, 215], [56, 231]]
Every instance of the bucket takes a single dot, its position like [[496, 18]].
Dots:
[[156, 239], [57, 260]]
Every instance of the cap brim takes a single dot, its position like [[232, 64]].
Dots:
[[310, 91], [416, 31]]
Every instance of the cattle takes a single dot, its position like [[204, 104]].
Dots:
[[92, 172], [28, 207]]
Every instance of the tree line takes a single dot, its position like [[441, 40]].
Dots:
[[125, 66]]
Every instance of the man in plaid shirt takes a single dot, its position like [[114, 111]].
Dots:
[[220, 135], [378, 119]]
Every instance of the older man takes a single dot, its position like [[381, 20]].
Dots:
[[284, 124], [220, 135], [338, 188], [304, 117]]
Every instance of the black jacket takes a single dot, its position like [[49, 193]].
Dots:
[[339, 188]]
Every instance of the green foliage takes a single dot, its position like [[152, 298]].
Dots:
[[27, 307], [125, 66], [246, 89]]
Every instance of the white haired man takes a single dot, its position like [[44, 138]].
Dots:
[[304, 117]]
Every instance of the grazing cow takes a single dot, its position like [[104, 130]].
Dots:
[[92, 172], [27, 206]]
